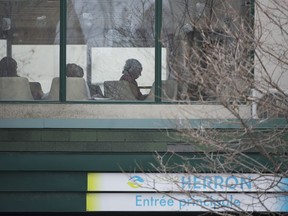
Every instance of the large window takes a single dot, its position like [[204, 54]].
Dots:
[[30, 56], [120, 50], [209, 51], [119, 38]]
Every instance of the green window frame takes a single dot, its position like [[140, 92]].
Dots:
[[158, 45], [63, 42]]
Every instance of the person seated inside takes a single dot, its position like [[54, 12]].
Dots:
[[132, 71], [74, 70], [8, 67]]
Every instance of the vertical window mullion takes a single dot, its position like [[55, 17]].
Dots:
[[158, 46], [63, 25]]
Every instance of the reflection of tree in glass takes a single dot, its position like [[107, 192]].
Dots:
[[136, 26]]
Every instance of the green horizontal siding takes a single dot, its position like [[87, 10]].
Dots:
[[43, 181], [66, 162], [73, 140], [85, 135], [129, 140], [45, 169], [42, 202], [57, 182], [128, 162]]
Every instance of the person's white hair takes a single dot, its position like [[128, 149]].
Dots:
[[133, 67]]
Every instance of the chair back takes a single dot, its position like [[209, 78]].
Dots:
[[36, 90], [168, 91], [120, 90], [15, 88], [76, 89]]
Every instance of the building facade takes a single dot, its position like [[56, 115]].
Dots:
[[77, 139]]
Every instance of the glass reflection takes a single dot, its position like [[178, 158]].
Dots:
[[202, 37], [28, 40], [113, 32]]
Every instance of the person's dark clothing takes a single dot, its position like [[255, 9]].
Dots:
[[128, 78]]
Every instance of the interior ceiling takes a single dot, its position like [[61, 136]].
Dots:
[[29, 13], [35, 21]]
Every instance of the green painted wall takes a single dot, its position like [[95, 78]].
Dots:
[[98, 140], [45, 170]]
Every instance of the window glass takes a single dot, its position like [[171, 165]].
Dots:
[[111, 50], [208, 55], [29, 53], [113, 42]]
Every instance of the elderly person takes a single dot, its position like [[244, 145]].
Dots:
[[132, 71], [8, 67]]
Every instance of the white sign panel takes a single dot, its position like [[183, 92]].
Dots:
[[153, 182], [186, 192], [183, 202]]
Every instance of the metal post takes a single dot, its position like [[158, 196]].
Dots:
[[63, 25], [158, 53]]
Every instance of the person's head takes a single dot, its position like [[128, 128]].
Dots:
[[133, 67], [74, 70], [8, 67]]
